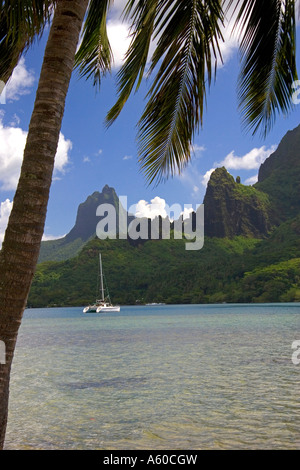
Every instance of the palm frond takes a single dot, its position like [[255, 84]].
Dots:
[[21, 22], [186, 55], [94, 56], [268, 50], [142, 17]]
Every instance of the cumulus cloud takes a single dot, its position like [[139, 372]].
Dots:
[[206, 176], [118, 35], [252, 180], [156, 207], [62, 154], [250, 161], [12, 143], [186, 212], [159, 207], [52, 237], [20, 82]]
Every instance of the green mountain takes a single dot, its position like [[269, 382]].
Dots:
[[232, 209], [224, 270], [251, 251], [84, 228], [279, 177]]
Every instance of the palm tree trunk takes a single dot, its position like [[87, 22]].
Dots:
[[24, 232]]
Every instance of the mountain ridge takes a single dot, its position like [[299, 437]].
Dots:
[[251, 251], [230, 208]]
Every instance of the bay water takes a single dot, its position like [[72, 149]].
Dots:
[[157, 377]]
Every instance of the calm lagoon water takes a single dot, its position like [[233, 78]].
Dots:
[[157, 377]]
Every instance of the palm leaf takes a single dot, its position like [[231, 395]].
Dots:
[[21, 22], [186, 56], [94, 56], [142, 17], [267, 31]]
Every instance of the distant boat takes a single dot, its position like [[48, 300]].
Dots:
[[156, 303], [104, 304]]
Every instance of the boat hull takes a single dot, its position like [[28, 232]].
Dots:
[[108, 309], [101, 308], [90, 309]]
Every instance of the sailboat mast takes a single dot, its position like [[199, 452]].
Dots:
[[101, 277]]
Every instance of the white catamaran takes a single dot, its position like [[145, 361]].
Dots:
[[104, 304]]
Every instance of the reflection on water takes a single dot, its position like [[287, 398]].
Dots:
[[163, 377]]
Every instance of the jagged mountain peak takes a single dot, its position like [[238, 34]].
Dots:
[[232, 209], [279, 177]]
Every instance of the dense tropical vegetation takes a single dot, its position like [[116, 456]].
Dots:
[[225, 270]]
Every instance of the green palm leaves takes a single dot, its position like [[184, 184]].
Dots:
[[185, 36], [268, 60], [188, 36], [20, 24], [94, 56]]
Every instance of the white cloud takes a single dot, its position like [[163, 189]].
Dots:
[[62, 154], [186, 212], [52, 237], [5, 209], [127, 157], [20, 82], [252, 180], [250, 161], [159, 207], [156, 207], [118, 35], [206, 176], [12, 143]]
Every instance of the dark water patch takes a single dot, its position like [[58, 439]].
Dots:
[[115, 382]]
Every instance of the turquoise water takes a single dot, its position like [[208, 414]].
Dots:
[[157, 377]]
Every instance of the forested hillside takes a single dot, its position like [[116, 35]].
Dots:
[[251, 251]]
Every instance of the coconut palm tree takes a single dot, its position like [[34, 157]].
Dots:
[[25, 228], [188, 35]]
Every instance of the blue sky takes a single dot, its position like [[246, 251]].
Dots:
[[91, 156]]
